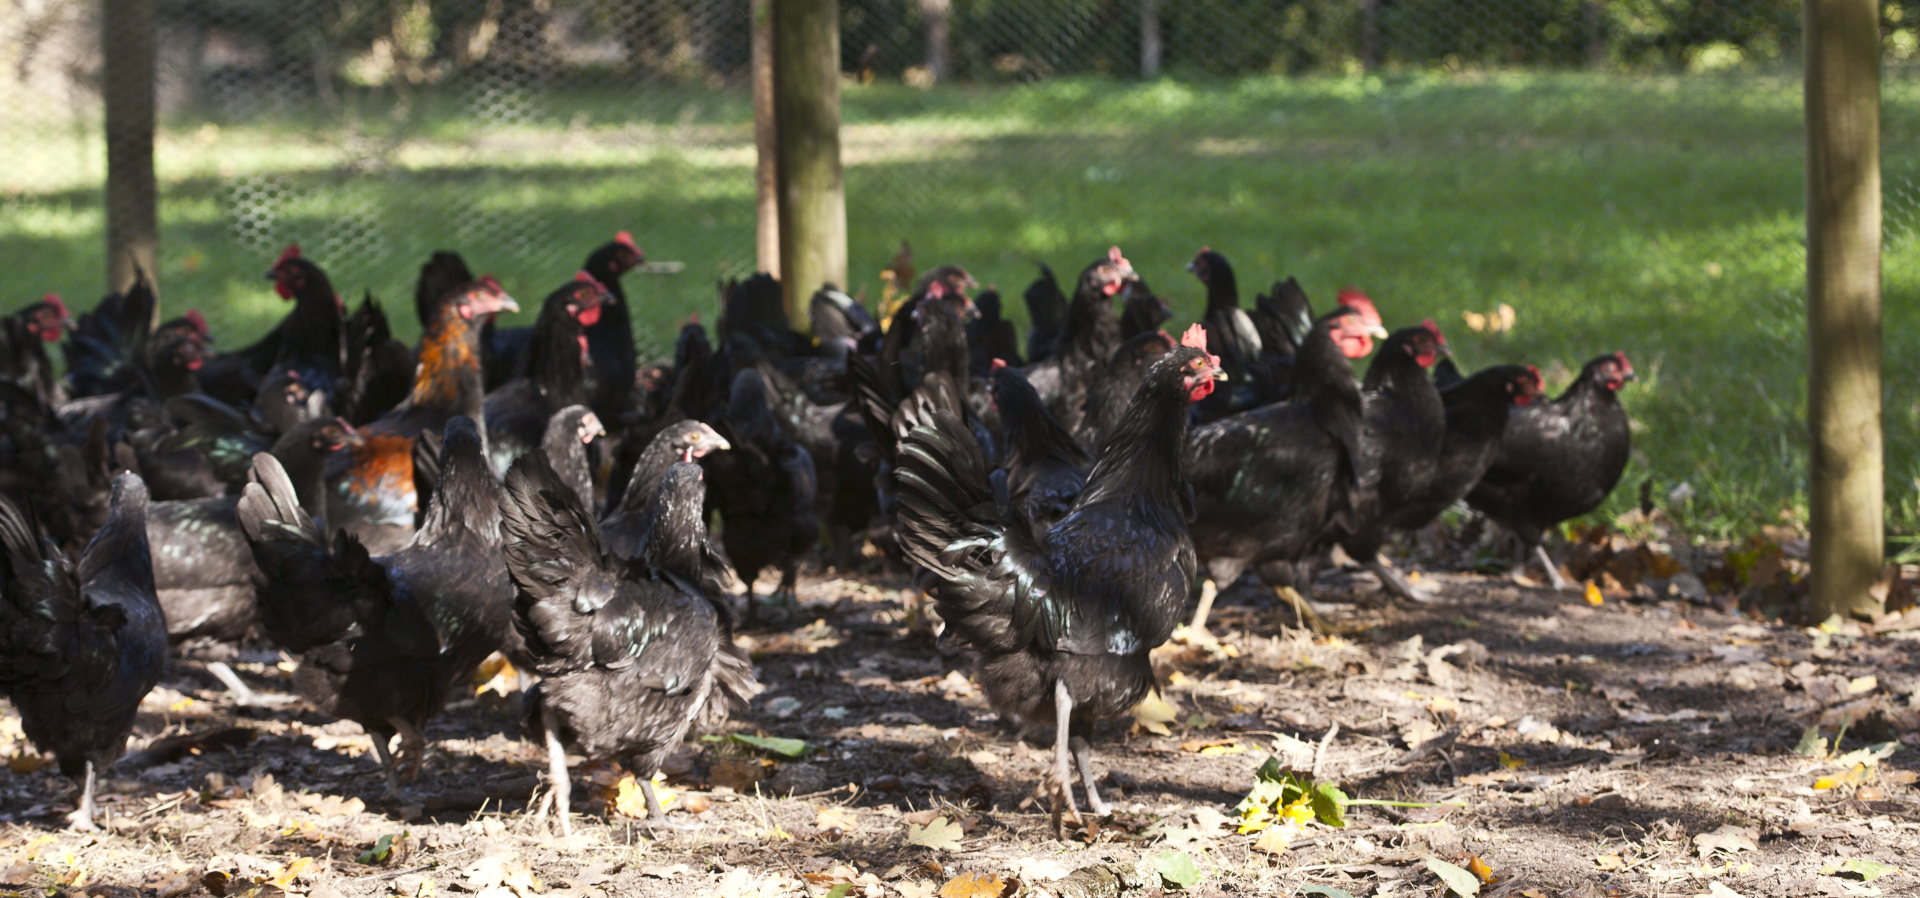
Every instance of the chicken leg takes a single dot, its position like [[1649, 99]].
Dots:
[[1059, 782], [82, 817], [1083, 758], [558, 782], [1560, 583], [388, 764], [413, 746], [1208, 591]]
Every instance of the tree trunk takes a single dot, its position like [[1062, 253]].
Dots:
[[1150, 47], [813, 199], [1370, 51], [1845, 465], [766, 174], [133, 232], [937, 14], [1594, 14]]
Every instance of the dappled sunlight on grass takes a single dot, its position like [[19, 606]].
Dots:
[[1660, 216]]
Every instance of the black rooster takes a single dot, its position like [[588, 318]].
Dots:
[[631, 654], [1064, 617], [80, 649], [384, 641], [1560, 459], [990, 337]]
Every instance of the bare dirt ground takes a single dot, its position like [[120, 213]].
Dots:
[[1561, 748]]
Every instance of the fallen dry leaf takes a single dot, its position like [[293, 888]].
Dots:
[[1729, 838], [973, 885], [1153, 714], [915, 889], [939, 835], [838, 818]]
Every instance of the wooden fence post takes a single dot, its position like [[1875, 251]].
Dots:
[[813, 199], [1151, 49], [1845, 463], [133, 233], [766, 174]]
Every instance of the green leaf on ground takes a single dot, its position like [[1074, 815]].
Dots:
[[1176, 868], [1812, 745], [786, 748], [1464, 884], [1868, 871]]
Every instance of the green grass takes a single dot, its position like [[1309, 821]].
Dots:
[[1656, 215]]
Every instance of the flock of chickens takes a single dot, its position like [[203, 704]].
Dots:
[[393, 515]]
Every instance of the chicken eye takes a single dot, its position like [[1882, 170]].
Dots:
[[695, 438]]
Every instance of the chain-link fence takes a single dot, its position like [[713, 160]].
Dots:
[[1625, 173]]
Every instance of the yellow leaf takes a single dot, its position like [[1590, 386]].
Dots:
[[495, 674], [1255, 820], [1232, 749], [181, 705], [1153, 714], [1276, 839], [1609, 862], [1593, 594], [973, 885], [1510, 762], [938, 834], [1480, 869], [284, 879], [1300, 813], [25, 763], [1859, 685], [630, 802]]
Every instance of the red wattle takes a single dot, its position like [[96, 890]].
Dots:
[[1200, 390], [588, 317], [281, 288]]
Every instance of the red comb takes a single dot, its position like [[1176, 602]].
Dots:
[[1435, 330], [345, 426], [291, 252], [53, 299], [1357, 301], [1113, 255], [1195, 338], [999, 364], [492, 283], [625, 238], [198, 321], [1623, 361], [587, 276], [1537, 379]]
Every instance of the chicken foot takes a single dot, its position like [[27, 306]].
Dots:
[[1208, 591], [81, 819], [1395, 583], [657, 815], [413, 746], [389, 763], [1553, 570]]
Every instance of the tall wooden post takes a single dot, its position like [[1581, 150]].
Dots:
[[766, 174], [936, 14], [813, 198], [133, 232], [1845, 464], [1150, 47]]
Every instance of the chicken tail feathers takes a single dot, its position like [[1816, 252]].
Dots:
[[733, 685], [308, 596], [555, 557]]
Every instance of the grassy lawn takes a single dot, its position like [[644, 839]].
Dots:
[[1660, 216]]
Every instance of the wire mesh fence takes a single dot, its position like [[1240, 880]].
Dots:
[[1418, 147]]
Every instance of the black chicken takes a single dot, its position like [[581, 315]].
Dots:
[[379, 369], [1065, 377], [24, 336], [1046, 314], [517, 411], [384, 641], [1064, 617], [80, 649], [631, 654], [1477, 415], [1230, 332], [1559, 459], [309, 340], [610, 338], [1144, 311], [763, 488], [990, 337], [1406, 428], [1271, 483], [569, 432], [625, 526], [1110, 395], [105, 346], [203, 569]]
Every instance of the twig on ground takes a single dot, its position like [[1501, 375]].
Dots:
[[1320, 751]]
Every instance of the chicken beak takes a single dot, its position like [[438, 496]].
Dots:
[[1376, 331], [720, 444]]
